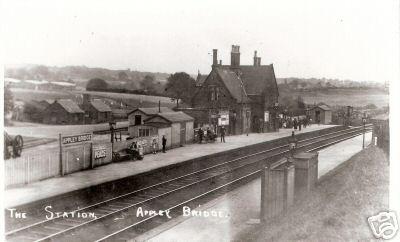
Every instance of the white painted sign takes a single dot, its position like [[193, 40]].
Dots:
[[266, 116], [223, 120]]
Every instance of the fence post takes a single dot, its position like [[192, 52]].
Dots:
[[61, 160]]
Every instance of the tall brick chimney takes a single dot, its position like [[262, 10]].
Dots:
[[215, 57], [235, 56], [256, 60]]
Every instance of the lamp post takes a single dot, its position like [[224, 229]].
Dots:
[[112, 126], [364, 120]]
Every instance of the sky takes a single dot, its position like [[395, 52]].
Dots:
[[343, 39]]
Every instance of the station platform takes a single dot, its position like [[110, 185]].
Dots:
[[60, 185]]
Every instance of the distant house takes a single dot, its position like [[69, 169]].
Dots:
[[320, 114], [63, 111], [137, 116], [96, 111]]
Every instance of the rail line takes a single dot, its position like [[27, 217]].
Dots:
[[233, 171]]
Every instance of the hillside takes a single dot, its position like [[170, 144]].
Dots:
[[80, 74]]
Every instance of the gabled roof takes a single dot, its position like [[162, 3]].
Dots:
[[324, 107], [172, 117], [200, 79], [100, 106], [152, 111], [69, 106], [233, 83], [257, 78]]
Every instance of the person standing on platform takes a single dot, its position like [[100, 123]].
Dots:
[[300, 123], [200, 134], [164, 143], [295, 124], [154, 146], [223, 134]]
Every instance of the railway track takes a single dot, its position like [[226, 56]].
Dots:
[[115, 219]]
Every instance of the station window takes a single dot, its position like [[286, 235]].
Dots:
[[216, 93], [144, 132]]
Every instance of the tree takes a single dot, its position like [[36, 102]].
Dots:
[[96, 84], [300, 103], [371, 106], [148, 84], [8, 100], [122, 76], [180, 86]]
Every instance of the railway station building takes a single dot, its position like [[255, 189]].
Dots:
[[244, 98]]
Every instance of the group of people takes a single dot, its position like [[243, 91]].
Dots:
[[295, 123], [208, 135], [154, 145]]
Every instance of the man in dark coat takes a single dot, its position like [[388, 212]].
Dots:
[[223, 134], [200, 134], [164, 143]]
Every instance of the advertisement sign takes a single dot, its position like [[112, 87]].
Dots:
[[266, 116], [100, 152], [73, 139]]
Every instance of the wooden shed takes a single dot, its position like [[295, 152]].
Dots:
[[63, 111], [96, 111], [321, 114]]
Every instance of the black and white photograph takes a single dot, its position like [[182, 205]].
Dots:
[[178, 121]]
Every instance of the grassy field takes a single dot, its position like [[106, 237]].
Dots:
[[133, 100], [343, 97], [337, 210], [333, 97]]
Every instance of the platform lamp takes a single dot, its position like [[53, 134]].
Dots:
[[292, 144], [112, 125], [364, 121]]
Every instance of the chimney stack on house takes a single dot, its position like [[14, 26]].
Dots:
[[257, 60], [215, 57], [235, 56]]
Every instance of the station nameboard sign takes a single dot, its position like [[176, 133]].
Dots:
[[73, 139]]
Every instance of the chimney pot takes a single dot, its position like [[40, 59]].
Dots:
[[215, 57], [235, 56]]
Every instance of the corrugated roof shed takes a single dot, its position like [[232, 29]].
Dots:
[[173, 117], [153, 111], [100, 105], [69, 105]]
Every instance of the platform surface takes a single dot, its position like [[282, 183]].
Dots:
[[83, 179]]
